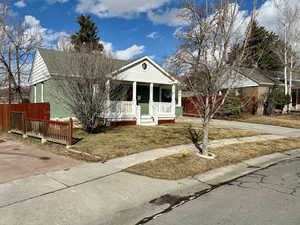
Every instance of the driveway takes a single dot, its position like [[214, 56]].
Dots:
[[269, 129], [18, 161]]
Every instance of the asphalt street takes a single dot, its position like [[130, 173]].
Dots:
[[267, 197]]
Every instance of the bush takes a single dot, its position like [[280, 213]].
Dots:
[[234, 107], [277, 99]]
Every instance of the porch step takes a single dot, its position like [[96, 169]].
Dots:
[[147, 120]]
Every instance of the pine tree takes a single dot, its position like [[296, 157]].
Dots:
[[260, 49], [87, 37]]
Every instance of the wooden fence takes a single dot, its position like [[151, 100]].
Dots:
[[32, 110], [47, 130], [189, 108]]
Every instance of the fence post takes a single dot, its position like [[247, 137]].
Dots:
[[70, 133], [24, 126]]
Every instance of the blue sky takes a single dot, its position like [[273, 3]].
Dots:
[[128, 28]]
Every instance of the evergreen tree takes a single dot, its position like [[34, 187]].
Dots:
[[260, 49], [87, 37]]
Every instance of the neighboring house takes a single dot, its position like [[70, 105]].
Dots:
[[253, 83], [256, 82], [154, 94]]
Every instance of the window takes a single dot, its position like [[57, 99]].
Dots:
[[166, 95]]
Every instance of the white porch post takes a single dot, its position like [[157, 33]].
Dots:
[[151, 99], [179, 98], [173, 100], [35, 93], [134, 97]]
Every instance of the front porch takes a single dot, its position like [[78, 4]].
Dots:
[[145, 104]]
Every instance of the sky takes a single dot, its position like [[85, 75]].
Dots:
[[127, 28]]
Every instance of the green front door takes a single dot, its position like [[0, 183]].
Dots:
[[142, 94], [144, 108]]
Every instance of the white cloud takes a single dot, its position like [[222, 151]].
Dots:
[[57, 1], [125, 54], [49, 37], [118, 8], [153, 35], [270, 17], [31, 21], [170, 17], [20, 4]]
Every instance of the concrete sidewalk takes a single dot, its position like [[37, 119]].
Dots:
[[120, 198], [32, 187]]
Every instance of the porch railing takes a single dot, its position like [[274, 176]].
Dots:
[[125, 107], [161, 108], [55, 131]]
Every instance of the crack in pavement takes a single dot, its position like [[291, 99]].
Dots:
[[177, 201]]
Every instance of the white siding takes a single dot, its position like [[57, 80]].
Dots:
[[39, 70], [151, 75]]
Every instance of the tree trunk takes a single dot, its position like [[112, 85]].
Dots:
[[205, 139]]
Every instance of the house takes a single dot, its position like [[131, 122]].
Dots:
[[254, 84], [154, 97]]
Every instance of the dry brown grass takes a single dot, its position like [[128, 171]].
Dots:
[[178, 166], [292, 121], [126, 140]]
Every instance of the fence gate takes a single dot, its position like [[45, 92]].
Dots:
[[17, 122]]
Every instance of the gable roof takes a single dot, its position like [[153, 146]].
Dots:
[[57, 62], [258, 76]]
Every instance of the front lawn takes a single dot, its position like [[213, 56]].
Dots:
[[126, 140], [180, 166], [292, 121]]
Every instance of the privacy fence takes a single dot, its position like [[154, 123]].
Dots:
[[31, 110], [247, 104], [34, 120]]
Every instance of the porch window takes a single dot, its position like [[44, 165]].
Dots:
[[121, 93], [156, 94], [166, 95]]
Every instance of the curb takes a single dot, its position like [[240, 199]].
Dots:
[[211, 180], [232, 172]]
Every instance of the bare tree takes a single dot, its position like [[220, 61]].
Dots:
[[288, 29], [17, 46], [203, 55], [88, 88]]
